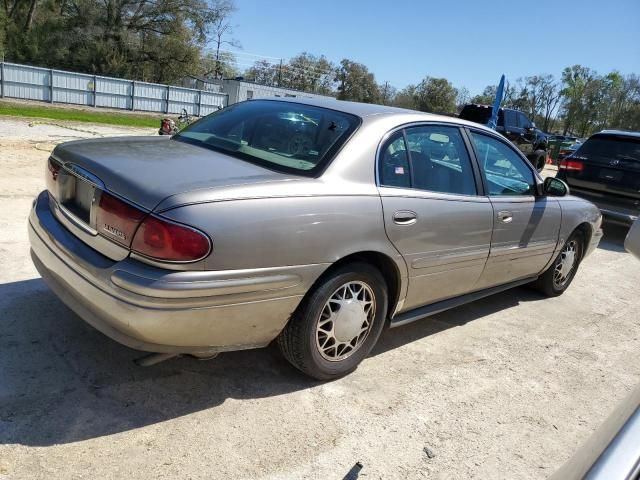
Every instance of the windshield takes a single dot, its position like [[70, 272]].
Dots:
[[611, 147], [282, 135]]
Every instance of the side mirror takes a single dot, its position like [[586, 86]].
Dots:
[[555, 187]]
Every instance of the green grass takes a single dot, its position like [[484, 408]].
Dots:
[[109, 118]]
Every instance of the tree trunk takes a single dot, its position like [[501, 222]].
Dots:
[[32, 11]]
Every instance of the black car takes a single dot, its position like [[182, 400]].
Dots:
[[516, 126], [606, 171]]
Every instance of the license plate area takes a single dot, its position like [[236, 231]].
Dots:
[[76, 195]]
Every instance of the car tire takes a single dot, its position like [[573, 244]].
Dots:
[[345, 301], [557, 278], [539, 159]]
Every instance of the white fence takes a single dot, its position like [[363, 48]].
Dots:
[[56, 86]]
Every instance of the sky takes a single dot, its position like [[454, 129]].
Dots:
[[471, 43]]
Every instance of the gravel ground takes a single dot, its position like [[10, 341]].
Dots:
[[506, 387]]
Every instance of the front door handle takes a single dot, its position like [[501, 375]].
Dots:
[[505, 216], [405, 217]]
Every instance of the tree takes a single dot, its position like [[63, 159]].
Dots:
[[387, 93], [436, 95], [222, 29], [356, 83], [406, 98], [153, 40], [308, 73], [576, 80], [487, 96], [462, 98], [263, 72]]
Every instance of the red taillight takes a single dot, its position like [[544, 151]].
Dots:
[[163, 240], [117, 220], [53, 170], [569, 164]]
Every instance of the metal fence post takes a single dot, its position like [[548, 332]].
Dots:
[[2, 80], [166, 110], [51, 85], [133, 95], [95, 91], [199, 103]]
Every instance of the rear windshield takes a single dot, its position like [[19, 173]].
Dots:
[[611, 147], [476, 113], [281, 135]]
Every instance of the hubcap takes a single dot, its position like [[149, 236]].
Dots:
[[565, 266], [345, 321]]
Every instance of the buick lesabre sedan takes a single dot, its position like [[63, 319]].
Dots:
[[313, 223]]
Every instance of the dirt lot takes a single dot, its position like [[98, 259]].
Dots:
[[506, 387]]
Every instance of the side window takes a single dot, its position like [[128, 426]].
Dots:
[[505, 173], [439, 160], [524, 121], [394, 164], [510, 119]]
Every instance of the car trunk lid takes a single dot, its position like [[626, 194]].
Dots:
[[145, 170], [103, 189]]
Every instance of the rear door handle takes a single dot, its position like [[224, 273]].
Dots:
[[505, 216], [405, 217]]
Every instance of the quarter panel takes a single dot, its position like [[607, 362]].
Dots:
[[271, 232]]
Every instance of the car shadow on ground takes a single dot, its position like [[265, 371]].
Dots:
[[61, 381], [614, 236]]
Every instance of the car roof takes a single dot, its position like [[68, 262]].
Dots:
[[619, 133], [367, 110]]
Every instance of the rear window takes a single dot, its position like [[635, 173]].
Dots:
[[281, 135], [476, 113], [611, 147]]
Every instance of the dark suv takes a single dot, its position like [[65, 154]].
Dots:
[[516, 126], [606, 171]]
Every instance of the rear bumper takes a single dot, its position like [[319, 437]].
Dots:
[[612, 209], [158, 310]]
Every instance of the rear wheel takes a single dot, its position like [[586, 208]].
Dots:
[[560, 274], [337, 324]]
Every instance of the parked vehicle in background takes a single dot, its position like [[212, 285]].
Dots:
[[517, 127], [314, 222], [559, 146], [566, 150], [606, 171]]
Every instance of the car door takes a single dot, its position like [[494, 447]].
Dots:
[[526, 225], [432, 211]]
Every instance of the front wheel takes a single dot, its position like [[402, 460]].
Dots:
[[338, 323], [560, 274]]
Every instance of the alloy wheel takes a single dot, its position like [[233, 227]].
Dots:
[[345, 321], [564, 268]]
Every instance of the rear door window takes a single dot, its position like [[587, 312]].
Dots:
[[439, 160], [433, 158]]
